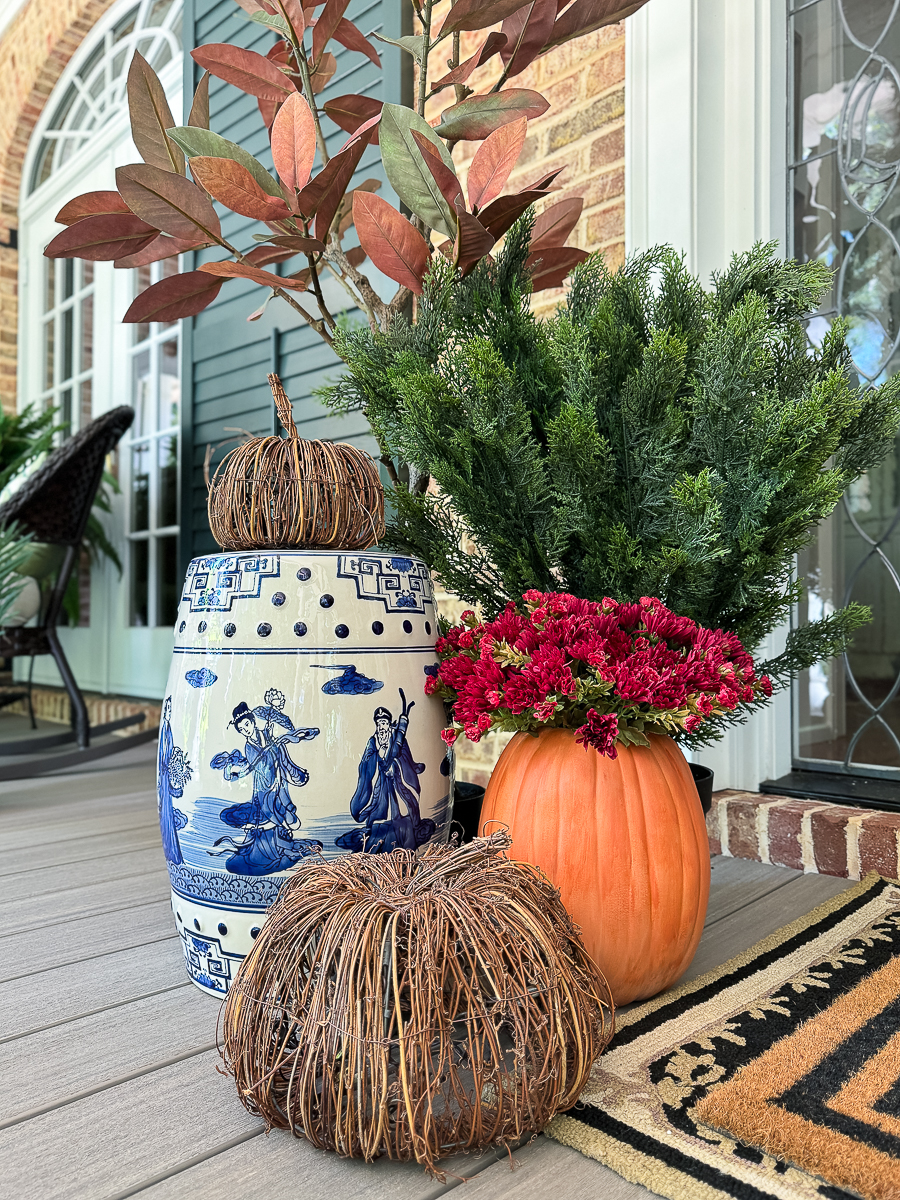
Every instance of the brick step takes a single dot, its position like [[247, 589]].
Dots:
[[52, 704], [808, 835]]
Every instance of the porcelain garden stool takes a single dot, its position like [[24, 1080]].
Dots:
[[294, 722]]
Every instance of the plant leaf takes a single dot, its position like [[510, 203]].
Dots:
[[479, 116], [274, 21], [479, 14], [199, 115], [292, 11], [447, 181], [175, 297], [324, 72], [233, 270], [494, 44], [328, 187], [355, 256], [543, 184], [349, 112], [324, 28], [160, 248], [412, 45], [351, 38], [233, 185], [367, 185], [406, 169], [393, 245], [473, 242], [297, 244], [151, 117], [245, 69], [102, 238], [204, 143], [169, 202], [505, 210], [91, 204], [584, 16], [494, 160], [527, 31], [549, 267], [555, 223], [263, 256], [294, 142]]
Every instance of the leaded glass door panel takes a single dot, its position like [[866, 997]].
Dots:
[[844, 152]]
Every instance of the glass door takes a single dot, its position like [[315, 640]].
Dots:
[[844, 162]]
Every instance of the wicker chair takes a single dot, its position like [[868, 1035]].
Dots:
[[54, 505]]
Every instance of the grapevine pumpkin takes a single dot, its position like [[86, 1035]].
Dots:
[[624, 841]]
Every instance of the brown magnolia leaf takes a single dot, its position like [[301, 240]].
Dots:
[[369, 131], [355, 256], [199, 116], [268, 110], [390, 241], [151, 117], [324, 72], [174, 297], [549, 267], [351, 38], [332, 196], [504, 211], [584, 16], [292, 11], [494, 160], [472, 243], [294, 142], [545, 181], [349, 112], [555, 223], [494, 44], [527, 30], [233, 270], [91, 204], [160, 248], [252, 6], [461, 73], [451, 188], [479, 14], [303, 277], [233, 185], [325, 26], [478, 116], [102, 238], [367, 185], [298, 244], [245, 69], [169, 202], [264, 256]]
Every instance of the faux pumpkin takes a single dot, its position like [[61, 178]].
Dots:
[[276, 493], [624, 841]]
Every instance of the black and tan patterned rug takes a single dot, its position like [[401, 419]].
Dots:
[[810, 1018]]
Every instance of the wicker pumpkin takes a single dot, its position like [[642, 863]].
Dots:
[[415, 1004], [623, 839], [276, 493]]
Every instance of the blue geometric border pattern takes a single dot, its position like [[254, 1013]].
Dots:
[[401, 584], [207, 962], [254, 893], [213, 584]]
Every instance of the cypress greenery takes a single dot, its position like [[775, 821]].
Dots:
[[651, 438]]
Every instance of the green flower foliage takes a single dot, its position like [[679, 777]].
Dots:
[[652, 438]]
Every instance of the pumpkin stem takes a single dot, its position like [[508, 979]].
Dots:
[[283, 407]]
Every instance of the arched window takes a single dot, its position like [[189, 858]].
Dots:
[[75, 355]]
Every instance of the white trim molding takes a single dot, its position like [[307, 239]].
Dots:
[[705, 141]]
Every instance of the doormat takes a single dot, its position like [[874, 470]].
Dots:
[[639, 1114]]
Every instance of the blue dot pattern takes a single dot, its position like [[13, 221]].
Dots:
[[377, 627], [407, 626], [300, 629], [201, 628], [278, 599], [230, 630], [326, 601], [342, 631], [223, 928], [264, 629], [303, 574]]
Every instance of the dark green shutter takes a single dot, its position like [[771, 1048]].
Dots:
[[225, 357]]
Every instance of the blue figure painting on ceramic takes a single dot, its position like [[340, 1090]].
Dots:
[[295, 724]]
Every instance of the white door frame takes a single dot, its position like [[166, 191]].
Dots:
[[705, 145]]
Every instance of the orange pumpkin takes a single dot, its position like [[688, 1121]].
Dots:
[[623, 839]]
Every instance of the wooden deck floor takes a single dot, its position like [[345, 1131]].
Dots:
[[107, 1052]]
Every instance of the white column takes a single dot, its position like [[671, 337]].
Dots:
[[705, 135]]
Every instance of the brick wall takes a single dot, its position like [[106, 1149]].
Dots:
[[34, 50]]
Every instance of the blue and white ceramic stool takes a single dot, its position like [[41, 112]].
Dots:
[[295, 722]]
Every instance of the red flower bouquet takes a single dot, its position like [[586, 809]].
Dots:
[[611, 671]]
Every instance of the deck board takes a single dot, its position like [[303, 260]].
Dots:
[[111, 1082]]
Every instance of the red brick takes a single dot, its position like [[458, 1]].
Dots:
[[586, 120], [829, 839], [607, 225], [878, 844], [784, 832], [743, 816], [608, 148], [607, 71]]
